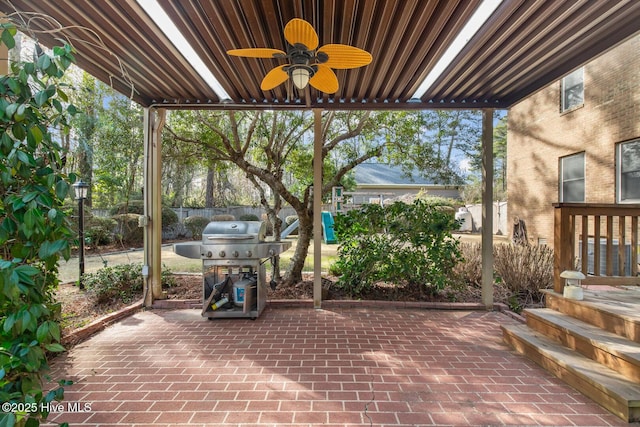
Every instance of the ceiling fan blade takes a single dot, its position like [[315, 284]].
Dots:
[[300, 31], [274, 78], [342, 56], [324, 80], [262, 52]]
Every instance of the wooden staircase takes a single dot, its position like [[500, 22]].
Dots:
[[593, 345]]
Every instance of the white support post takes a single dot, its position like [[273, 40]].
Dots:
[[317, 208], [487, 208]]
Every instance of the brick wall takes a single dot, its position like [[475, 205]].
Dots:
[[539, 134]]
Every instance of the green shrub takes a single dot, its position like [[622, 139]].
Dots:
[[100, 231], [223, 217], [195, 224], [119, 283], [127, 229], [408, 244], [169, 217], [249, 217], [34, 231]]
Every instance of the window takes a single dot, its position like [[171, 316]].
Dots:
[[628, 172], [573, 90], [572, 178]]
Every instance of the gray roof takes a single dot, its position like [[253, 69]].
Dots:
[[384, 174]]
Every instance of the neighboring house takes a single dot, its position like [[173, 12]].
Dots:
[[577, 140], [378, 181]]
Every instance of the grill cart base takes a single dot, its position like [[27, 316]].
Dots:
[[238, 290]]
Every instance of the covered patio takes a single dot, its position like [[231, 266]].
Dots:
[[300, 367]]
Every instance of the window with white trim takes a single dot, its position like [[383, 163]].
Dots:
[[572, 180], [628, 172], [572, 90]]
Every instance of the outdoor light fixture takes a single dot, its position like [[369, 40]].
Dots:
[[81, 188], [572, 284], [300, 77]]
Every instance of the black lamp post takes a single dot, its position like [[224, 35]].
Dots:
[[81, 189]]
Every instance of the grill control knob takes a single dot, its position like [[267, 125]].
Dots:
[[249, 254], [222, 254], [209, 254], [235, 254]]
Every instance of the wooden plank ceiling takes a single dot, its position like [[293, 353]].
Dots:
[[525, 45]]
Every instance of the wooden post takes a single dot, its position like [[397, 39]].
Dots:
[[317, 208], [152, 218], [563, 245], [487, 208], [4, 60]]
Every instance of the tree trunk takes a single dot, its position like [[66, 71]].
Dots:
[[305, 233], [208, 196]]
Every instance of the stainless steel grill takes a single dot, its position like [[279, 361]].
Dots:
[[233, 254]]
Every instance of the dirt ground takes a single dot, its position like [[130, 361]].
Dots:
[[78, 309]]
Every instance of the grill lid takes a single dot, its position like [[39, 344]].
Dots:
[[234, 231]]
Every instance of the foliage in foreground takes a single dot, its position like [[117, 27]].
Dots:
[[408, 244], [119, 283], [34, 230]]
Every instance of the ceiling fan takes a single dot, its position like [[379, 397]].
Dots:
[[306, 64]]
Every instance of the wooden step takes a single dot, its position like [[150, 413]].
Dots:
[[616, 352], [603, 385], [616, 312]]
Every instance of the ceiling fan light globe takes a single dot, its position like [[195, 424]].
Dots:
[[300, 77]]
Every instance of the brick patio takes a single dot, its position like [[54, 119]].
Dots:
[[304, 367]]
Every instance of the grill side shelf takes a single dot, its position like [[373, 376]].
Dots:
[[188, 249]]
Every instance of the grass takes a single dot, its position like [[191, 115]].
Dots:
[[329, 256], [178, 264], [69, 270]]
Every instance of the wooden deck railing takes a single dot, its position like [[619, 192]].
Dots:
[[601, 240]]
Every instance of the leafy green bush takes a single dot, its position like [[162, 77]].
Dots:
[[195, 224], [403, 243], [249, 217], [169, 217], [127, 229], [99, 231], [34, 227], [119, 283]]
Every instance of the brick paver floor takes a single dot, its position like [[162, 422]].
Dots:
[[304, 367]]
